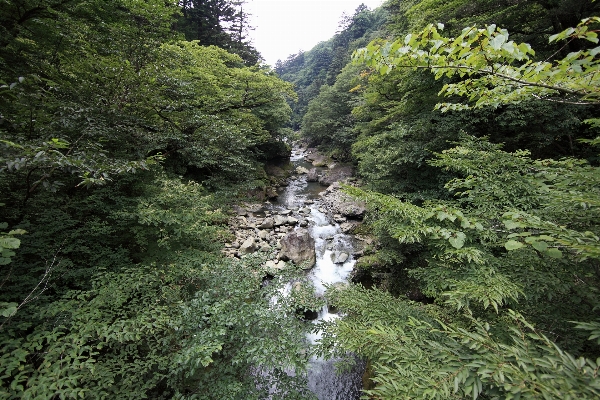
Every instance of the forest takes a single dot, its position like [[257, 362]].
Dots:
[[129, 130]]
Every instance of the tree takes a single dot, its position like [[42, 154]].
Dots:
[[504, 268], [112, 281], [503, 73], [221, 23]]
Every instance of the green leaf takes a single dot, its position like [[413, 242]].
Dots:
[[513, 245], [510, 224], [553, 252], [9, 242], [8, 309], [457, 241], [540, 246]]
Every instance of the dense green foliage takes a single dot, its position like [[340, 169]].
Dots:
[[485, 208], [122, 144], [115, 133]]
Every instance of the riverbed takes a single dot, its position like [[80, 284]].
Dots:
[[334, 264]]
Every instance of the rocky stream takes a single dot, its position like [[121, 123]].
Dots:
[[308, 221]]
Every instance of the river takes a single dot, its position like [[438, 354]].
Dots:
[[334, 263]]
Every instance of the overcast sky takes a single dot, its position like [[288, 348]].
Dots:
[[283, 27]]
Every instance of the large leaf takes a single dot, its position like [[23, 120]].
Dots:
[[10, 242]]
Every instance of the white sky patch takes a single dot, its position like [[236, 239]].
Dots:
[[283, 27]]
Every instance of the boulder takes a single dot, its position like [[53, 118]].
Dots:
[[319, 160], [347, 227], [339, 219], [265, 248], [304, 211], [292, 220], [249, 246], [254, 207], [340, 258], [312, 175], [301, 170], [311, 154], [336, 174], [267, 223], [354, 209], [279, 220], [298, 246], [240, 211]]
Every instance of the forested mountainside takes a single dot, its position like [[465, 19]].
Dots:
[[309, 70], [474, 128]]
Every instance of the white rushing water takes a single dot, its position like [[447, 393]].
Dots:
[[334, 265]]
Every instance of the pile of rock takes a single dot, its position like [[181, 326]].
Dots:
[[342, 208], [317, 159], [281, 235]]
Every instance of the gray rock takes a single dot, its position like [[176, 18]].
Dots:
[[265, 248], [263, 234], [298, 246], [267, 223], [304, 211], [353, 209], [285, 212], [271, 193], [338, 218], [312, 175], [240, 211], [249, 246], [253, 207], [347, 227], [292, 220], [301, 170], [340, 258], [279, 220], [336, 174], [319, 160], [274, 267]]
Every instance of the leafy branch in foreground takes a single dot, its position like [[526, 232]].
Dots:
[[498, 70], [415, 355]]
